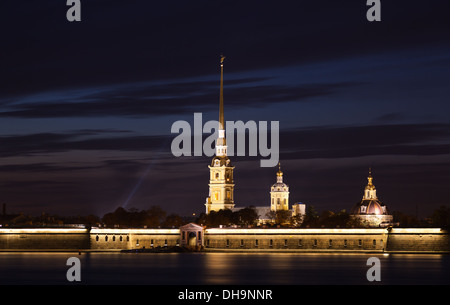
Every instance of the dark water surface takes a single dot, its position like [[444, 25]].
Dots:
[[223, 268]]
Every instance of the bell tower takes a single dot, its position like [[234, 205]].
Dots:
[[221, 182], [279, 193]]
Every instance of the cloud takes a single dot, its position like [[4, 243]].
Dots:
[[295, 143], [168, 99], [357, 141]]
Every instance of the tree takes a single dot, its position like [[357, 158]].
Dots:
[[283, 217], [216, 218], [154, 216], [272, 215], [330, 219], [118, 217], [245, 217], [173, 220], [406, 221], [441, 217], [311, 217]]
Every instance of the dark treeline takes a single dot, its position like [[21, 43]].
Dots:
[[440, 218], [312, 219], [243, 217], [156, 217]]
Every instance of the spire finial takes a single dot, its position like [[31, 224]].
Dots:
[[221, 116], [370, 178], [279, 173]]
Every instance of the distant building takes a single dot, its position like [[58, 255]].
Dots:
[[279, 201], [279, 193], [299, 209], [371, 211]]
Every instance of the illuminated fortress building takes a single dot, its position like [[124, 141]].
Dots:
[[221, 181], [371, 212]]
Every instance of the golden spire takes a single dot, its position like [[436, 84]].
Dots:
[[279, 173], [221, 117], [370, 179], [221, 142]]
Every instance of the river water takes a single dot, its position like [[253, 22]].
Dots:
[[223, 268]]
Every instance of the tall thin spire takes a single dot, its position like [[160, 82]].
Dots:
[[221, 143], [221, 117]]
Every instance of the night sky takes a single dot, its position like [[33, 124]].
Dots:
[[86, 108]]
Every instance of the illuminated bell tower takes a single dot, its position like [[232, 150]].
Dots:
[[279, 193], [221, 182]]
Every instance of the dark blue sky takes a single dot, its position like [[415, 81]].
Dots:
[[86, 107]]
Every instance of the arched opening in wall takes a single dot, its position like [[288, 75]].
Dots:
[[192, 239]]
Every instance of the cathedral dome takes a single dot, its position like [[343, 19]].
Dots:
[[280, 187], [370, 207]]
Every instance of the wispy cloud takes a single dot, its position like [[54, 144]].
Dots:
[[138, 100]]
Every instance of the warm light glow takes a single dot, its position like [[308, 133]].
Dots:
[[294, 231], [134, 231], [417, 230], [41, 230]]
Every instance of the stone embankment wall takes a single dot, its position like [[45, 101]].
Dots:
[[48, 239], [133, 238], [396, 240]]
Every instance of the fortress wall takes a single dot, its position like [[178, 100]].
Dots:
[[297, 239], [418, 240], [125, 239], [29, 239]]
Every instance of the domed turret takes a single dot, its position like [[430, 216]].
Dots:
[[371, 210], [279, 193]]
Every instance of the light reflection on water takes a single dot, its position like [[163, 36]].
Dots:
[[223, 268]]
